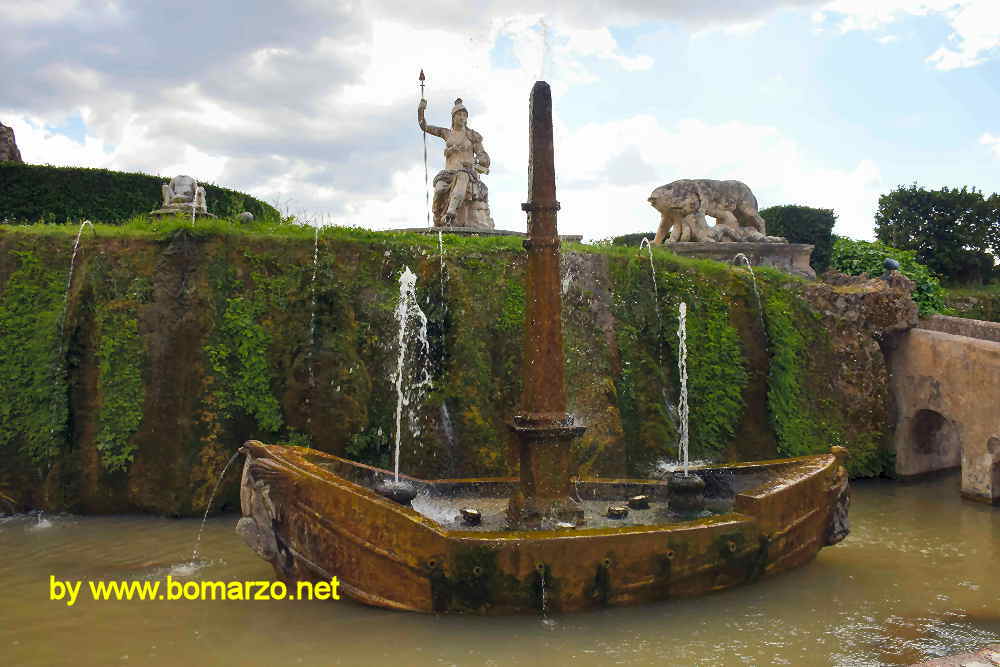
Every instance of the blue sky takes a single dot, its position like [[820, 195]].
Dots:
[[820, 102]]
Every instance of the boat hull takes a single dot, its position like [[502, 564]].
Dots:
[[314, 516]]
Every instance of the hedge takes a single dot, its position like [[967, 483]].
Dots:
[[633, 239], [804, 224], [31, 193]]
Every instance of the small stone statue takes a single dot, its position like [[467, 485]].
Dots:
[[183, 196], [182, 191], [460, 197], [684, 204]]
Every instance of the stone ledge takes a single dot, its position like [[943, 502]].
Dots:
[[472, 231], [170, 212], [791, 258], [962, 326]]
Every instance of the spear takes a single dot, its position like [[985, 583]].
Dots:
[[427, 196]]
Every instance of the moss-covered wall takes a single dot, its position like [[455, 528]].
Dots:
[[175, 346], [978, 304]]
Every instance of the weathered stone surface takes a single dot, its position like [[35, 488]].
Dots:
[[872, 305], [962, 326], [861, 319], [791, 258], [473, 231], [183, 196], [684, 204], [946, 388], [985, 657], [461, 199], [8, 147]]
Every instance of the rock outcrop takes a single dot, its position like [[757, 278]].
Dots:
[[8, 147], [879, 307], [862, 318]]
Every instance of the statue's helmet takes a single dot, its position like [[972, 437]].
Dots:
[[459, 107]]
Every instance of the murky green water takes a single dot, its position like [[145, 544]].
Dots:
[[918, 577]]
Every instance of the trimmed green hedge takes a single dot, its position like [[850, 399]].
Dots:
[[634, 239], [31, 193], [804, 224]]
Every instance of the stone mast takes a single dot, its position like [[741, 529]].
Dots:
[[543, 429]]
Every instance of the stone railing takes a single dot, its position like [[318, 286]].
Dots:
[[962, 326]]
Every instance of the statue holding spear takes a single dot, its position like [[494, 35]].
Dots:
[[460, 197]]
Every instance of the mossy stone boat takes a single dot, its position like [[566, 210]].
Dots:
[[542, 542], [314, 516]]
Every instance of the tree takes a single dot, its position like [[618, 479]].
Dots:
[[804, 224], [956, 233]]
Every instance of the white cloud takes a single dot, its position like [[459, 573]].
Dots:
[[606, 171], [991, 140], [40, 145], [887, 39], [975, 25], [599, 43], [730, 29], [37, 12], [315, 109]]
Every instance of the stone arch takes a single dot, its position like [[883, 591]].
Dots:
[[935, 436]]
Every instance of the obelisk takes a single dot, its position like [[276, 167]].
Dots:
[[544, 430]]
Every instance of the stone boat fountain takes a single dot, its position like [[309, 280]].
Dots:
[[545, 541]]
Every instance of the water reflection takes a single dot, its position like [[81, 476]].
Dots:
[[915, 579]]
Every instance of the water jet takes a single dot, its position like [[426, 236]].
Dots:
[[545, 540]]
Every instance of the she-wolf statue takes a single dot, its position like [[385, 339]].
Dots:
[[460, 198], [684, 204]]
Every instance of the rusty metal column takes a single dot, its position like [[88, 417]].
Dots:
[[543, 429], [544, 388]]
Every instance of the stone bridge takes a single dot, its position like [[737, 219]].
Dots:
[[945, 382]]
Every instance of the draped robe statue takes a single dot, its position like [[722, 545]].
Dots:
[[460, 197]]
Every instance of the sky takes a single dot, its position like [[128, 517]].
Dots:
[[311, 104]]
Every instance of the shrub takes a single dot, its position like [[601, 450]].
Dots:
[[32, 193], [803, 224], [857, 257], [633, 239]]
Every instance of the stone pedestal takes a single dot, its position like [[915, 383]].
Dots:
[[178, 212], [472, 231], [791, 258], [686, 492], [545, 489]]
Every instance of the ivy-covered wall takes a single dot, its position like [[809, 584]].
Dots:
[[174, 345]]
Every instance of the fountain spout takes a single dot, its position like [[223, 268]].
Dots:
[[543, 428]]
